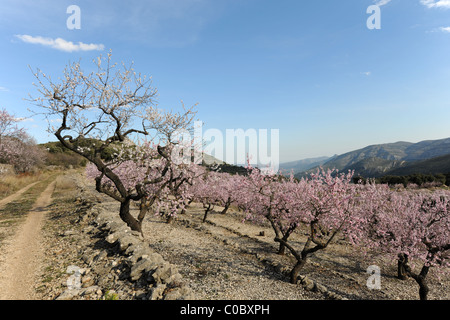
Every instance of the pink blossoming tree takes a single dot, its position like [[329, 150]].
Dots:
[[16, 146], [411, 225], [325, 204]]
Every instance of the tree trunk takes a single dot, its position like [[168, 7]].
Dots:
[[421, 281], [227, 206], [423, 289], [301, 257], [286, 235], [143, 209], [207, 210], [278, 233], [296, 270], [281, 249], [126, 216], [401, 266]]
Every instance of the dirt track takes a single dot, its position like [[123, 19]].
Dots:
[[16, 195], [21, 256]]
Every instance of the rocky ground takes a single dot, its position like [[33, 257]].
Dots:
[[221, 259], [228, 259]]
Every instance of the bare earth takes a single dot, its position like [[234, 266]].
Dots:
[[21, 255], [227, 258]]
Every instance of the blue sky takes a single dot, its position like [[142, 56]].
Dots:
[[311, 69]]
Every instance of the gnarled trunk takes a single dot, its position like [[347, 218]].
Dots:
[[421, 280], [296, 270], [126, 216]]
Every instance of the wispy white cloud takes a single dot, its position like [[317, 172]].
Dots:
[[60, 44], [366, 73], [3, 89], [381, 2], [22, 119], [156, 23], [445, 4], [440, 29]]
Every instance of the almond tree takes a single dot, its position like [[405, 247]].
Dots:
[[10, 135], [217, 189], [327, 208], [9, 127], [178, 193], [325, 203], [415, 227], [168, 193], [206, 190], [112, 107], [271, 197], [16, 146], [228, 190]]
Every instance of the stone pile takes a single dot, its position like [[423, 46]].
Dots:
[[119, 264]]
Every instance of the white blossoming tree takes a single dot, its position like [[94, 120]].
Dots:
[[113, 108]]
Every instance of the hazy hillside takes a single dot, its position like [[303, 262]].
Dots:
[[393, 158], [374, 167], [389, 151], [430, 166], [427, 149], [303, 165]]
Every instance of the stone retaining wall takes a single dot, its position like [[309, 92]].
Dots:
[[121, 259], [163, 279]]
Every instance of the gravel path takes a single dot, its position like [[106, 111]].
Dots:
[[215, 269], [22, 255]]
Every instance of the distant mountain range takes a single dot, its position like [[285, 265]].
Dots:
[[302, 165], [399, 158]]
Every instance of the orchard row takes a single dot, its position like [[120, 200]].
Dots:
[[410, 225]]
